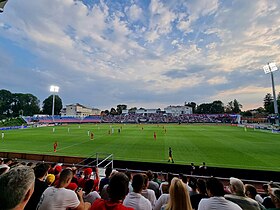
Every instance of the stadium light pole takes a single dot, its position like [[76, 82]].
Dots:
[[53, 89], [270, 68]]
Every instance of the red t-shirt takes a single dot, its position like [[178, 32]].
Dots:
[[100, 204]]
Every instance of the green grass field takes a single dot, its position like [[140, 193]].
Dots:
[[221, 146]]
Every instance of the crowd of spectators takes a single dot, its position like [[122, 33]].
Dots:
[[49, 187], [169, 118], [137, 118]]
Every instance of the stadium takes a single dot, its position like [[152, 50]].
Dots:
[[187, 154]]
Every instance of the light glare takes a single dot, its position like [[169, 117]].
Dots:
[[54, 89]]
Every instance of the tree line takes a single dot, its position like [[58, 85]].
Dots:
[[16, 104]]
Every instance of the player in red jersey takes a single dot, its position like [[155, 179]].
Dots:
[[155, 136], [55, 146]]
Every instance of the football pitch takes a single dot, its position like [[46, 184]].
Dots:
[[219, 146]]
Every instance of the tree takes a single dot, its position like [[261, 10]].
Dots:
[[217, 107], [132, 110], [268, 103], [247, 114], [6, 98], [121, 107], [191, 104], [113, 111], [204, 108], [233, 107], [25, 104], [48, 103], [236, 106]]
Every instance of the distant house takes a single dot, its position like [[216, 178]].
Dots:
[[78, 110], [178, 110]]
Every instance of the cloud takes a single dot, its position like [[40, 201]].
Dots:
[[217, 80], [166, 50], [135, 12]]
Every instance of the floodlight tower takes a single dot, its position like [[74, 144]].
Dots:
[[270, 68], [53, 89]]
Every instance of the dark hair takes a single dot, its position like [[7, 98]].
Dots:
[[192, 183], [150, 174], [7, 160], [41, 169], [108, 171], [201, 185], [128, 174], [118, 186], [65, 175], [88, 186], [137, 182], [215, 187]]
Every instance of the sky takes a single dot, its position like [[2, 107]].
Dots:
[[142, 53]]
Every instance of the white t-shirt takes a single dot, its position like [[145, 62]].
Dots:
[[58, 199], [137, 201], [91, 197], [150, 195], [162, 200], [217, 203]]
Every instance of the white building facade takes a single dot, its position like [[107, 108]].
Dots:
[[78, 110], [178, 110]]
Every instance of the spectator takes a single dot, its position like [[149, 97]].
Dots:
[[192, 184], [129, 175], [4, 168], [106, 179], [164, 187], [118, 189], [89, 195], [192, 169], [215, 191], [104, 193], [16, 187], [203, 169], [238, 195], [41, 172], [152, 184], [8, 161], [148, 193], [185, 181], [50, 179], [179, 196], [201, 193], [267, 201], [155, 179], [135, 199], [251, 192], [275, 197], [61, 198], [87, 176]]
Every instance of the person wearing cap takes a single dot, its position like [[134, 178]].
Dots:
[[59, 198], [87, 176], [238, 195], [275, 198], [50, 179]]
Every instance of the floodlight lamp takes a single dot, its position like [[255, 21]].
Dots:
[[273, 66], [270, 67], [54, 89], [266, 69]]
